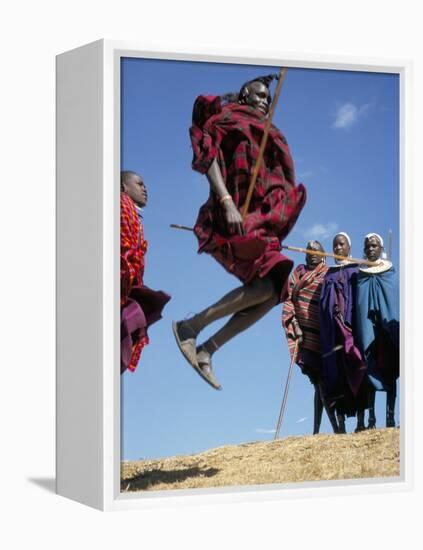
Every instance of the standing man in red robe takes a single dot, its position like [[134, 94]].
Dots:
[[300, 320], [226, 138], [140, 305]]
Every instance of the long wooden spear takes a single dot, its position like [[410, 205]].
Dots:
[[390, 245], [281, 77], [328, 255], [304, 250], [285, 393], [185, 227]]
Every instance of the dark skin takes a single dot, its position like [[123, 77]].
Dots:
[[341, 246], [372, 249], [313, 260], [233, 217], [257, 95], [133, 185]]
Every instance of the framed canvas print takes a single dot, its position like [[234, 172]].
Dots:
[[231, 276]]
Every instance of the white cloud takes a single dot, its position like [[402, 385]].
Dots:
[[320, 231], [265, 431], [306, 174], [348, 114], [302, 419]]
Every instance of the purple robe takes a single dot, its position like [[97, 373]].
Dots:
[[343, 369]]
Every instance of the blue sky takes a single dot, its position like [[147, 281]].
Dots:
[[343, 131]]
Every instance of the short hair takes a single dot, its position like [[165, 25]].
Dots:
[[266, 80], [233, 97], [125, 174]]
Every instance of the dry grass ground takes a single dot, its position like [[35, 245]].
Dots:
[[373, 453]]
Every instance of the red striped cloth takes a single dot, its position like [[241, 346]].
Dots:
[[302, 307], [133, 248], [232, 134]]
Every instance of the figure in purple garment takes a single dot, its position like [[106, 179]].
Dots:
[[343, 366]]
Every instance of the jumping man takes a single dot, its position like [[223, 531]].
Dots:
[[225, 136]]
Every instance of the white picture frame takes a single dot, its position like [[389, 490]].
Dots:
[[88, 315]]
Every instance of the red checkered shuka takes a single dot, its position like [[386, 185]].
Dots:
[[133, 248], [232, 134]]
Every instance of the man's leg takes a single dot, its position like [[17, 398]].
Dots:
[[330, 410], [360, 421], [241, 298], [371, 397], [246, 304], [341, 422], [391, 396], [237, 323], [318, 410]]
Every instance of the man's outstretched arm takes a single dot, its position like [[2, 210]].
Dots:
[[233, 217]]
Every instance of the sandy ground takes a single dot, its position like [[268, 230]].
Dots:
[[368, 454]]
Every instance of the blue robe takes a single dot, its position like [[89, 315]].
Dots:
[[377, 326]]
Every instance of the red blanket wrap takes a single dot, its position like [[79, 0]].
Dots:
[[140, 306], [302, 306], [133, 248], [232, 134]]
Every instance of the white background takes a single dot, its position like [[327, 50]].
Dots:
[[32, 33]]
